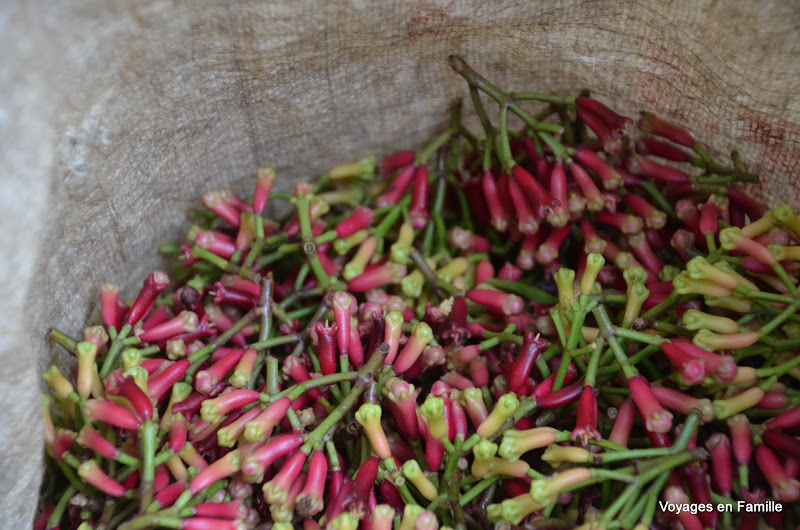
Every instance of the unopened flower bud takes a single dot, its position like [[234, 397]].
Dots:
[[369, 416], [433, 410], [546, 491], [517, 443], [503, 409], [414, 474], [91, 473], [86, 353], [557, 454], [695, 320]]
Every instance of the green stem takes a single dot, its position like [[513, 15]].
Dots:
[[580, 352], [424, 154], [72, 477], [544, 97], [607, 331], [301, 276], [200, 356], [670, 329], [444, 288], [643, 505], [265, 303], [55, 517], [153, 520], [294, 421], [768, 297], [500, 338], [113, 351], [478, 81], [627, 496], [131, 341], [299, 389], [572, 341], [711, 242], [672, 300], [555, 312], [255, 250], [364, 376], [670, 462], [638, 336], [779, 370], [689, 428], [225, 265], [594, 361], [480, 110], [303, 206], [273, 375], [523, 289], [610, 298], [148, 441], [488, 149], [62, 339], [634, 453], [453, 478], [391, 218], [301, 313], [126, 459], [463, 205], [770, 326], [477, 489], [784, 277], [504, 150], [391, 468], [436, 213], [281, 196], [662, 203], [641, 355], [300, 295]]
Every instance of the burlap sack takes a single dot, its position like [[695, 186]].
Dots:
[[115, 115]]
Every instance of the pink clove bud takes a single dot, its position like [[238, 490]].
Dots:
[[649, 123], [265, 178], [91, 473], [505, 303], [656, 418], [153, 285]]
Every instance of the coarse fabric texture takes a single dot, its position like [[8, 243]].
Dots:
[[116, 115]]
